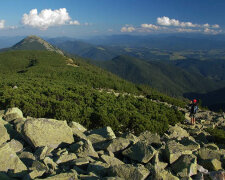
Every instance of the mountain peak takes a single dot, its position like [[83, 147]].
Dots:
[[35, 43]]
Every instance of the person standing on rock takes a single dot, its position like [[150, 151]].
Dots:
[[193, 110]]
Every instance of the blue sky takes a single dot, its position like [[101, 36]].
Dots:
[[83, 18]]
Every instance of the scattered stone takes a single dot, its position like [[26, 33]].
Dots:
[[83, 149], [163, 175], [50, 164], [63, 176], [112, 161], [96, 138], [78, 126], [211, 164], [105, 132], [217, 175], [98, 168], [66, 158], [12, 114], [185, 166], [202, 169], [129, 136], [10, 161], [117, 144], [4, 136], [127, 171], [150, 138], [81, 161], [206, 153], [140, 152], [174, 150], [15, 145], [27, 158], [42, 152], [47, 132], [176, 132]]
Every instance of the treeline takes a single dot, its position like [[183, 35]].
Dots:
[[49, 88]]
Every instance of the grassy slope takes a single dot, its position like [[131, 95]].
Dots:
[[47, 87]]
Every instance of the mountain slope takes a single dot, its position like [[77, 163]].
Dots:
[[47, 84], [162, 76]]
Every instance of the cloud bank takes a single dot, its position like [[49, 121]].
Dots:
[[2, 24], [46, 18], [127, 29], [167, 25]]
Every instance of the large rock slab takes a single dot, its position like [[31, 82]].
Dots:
[[129, 172], [185, 166], [174, 150], [117, 144], [212, 164], [10, 161], [140, 152], [4, 136], [206, 153], [47, 132]]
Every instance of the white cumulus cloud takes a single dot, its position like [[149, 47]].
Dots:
[[74, 22], [2, 24], [46, 18], [166, 21], [187, 30], [211, 31], [127, 29], [150, 26], [216, 26]]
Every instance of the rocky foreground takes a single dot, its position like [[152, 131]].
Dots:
[[33, 148]]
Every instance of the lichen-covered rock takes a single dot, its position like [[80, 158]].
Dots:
[[176, 132], [10, 161], [217, 175], [47, 132], [132, 138], [206, 153], [149, 138], [105, 132], [83, 149], [27, 158], [66, 158], [117, 144], [4, 136], [42, 152], [63, 176], [12, 114], [174, 150], [129, 172], [155, 164], [96, 138], [163, 175], [189, 144], [50, 164], [185, 166], [211, 164], [140, 152], [77, 126], [112, 161], [81, 161], [98, 168], [15, 145]]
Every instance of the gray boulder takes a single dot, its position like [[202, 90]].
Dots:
[[10, 161], [140, 152], [4, 136], [47, 132], [112, 161], [12, 114], [174, 150], [129, 172], [185, 166]]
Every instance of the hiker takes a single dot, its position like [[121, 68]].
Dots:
[[193, 110]]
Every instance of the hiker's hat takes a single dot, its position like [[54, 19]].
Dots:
[[194, 100]]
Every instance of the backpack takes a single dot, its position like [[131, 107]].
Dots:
[[194, 109]]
